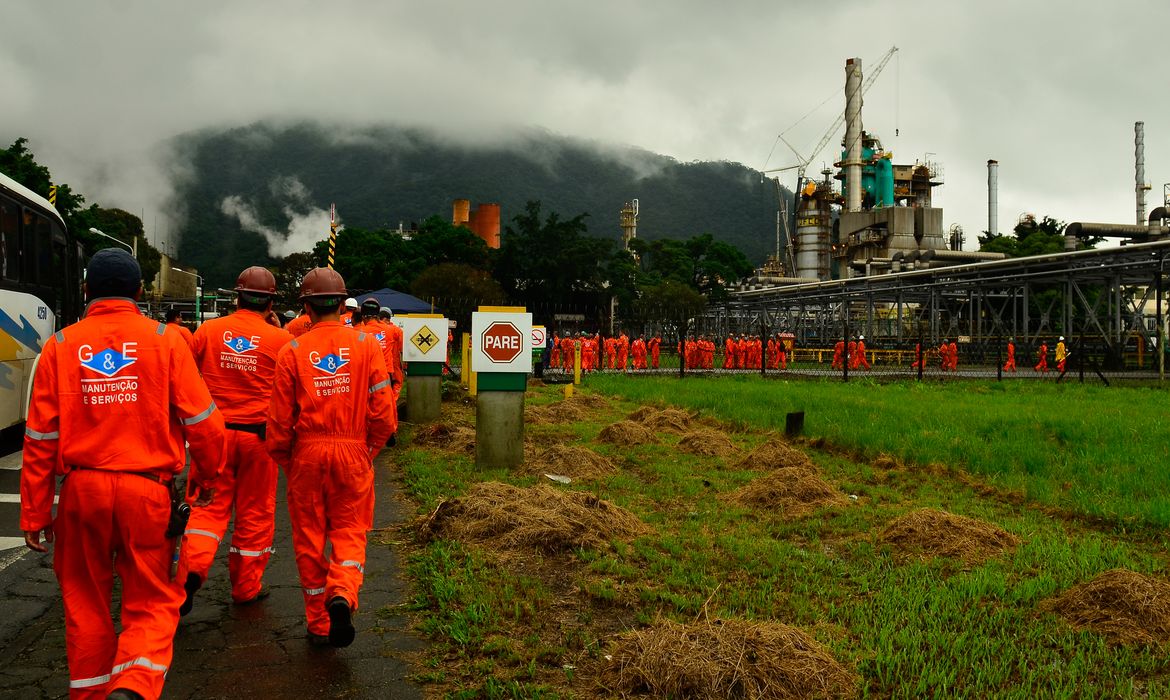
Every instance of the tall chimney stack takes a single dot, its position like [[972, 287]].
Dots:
[[1139, 155], [853, 134], [992, 197]]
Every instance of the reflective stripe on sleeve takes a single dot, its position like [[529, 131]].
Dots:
[[89, 682], [204, 533], [355, 564], [29, 432], [162, 328], [140, 661], [294, 343], [251, 552], [361, 336], [314, 591], [201, 417], [380, 385], [60, 336]]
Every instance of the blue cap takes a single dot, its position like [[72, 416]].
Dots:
[[112, 272]]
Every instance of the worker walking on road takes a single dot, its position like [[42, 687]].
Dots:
[[389, 337], [114, 400], [331, 412], [838, 355], [859, 360], [655, 347], [1010, 365], [237, 356], [1042, 354], [1061, 355]]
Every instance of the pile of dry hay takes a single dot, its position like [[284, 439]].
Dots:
[[1126, 606], [627, 433], [457, 438], [706, 443], [540, 517], [566, 411], [669, 419], [571, 461], [792, 491], [935, 533], [776, 455], [725, 659]]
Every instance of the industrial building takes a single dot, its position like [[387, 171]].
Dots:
[[484, 220]]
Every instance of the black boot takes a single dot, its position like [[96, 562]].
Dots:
[[341, 631], [192, 585]]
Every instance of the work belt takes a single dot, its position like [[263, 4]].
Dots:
[[258, 429], [157, 478]]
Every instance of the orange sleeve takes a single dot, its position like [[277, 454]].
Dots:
[[382, 416], [203, 425], [282, 412], [41, 444]]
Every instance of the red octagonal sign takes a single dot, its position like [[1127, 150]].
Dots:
[[502, 342]]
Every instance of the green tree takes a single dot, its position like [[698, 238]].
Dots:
[[457, 289], [544, 259], [670, 300], [1031, 237], [706, 265], [289, 273]]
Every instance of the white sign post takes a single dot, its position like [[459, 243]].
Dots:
[[501, 342]]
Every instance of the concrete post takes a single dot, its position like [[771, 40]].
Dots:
[[424, 392], [499, 429]]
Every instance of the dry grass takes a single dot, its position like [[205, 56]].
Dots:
[[627, 433], [1123, 605], [669, 419], [571, 461], [456, 438], [724, 659], [931, 533], [541, 517], [793, 492], [706, 443], [776, 454], [566, 411]]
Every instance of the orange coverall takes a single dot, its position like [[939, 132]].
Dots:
[[623, 351], [729, 353], [299, 325], [182, 331], [390, 338], [639, 351], [1010, 365], [953, 351], [115, 398], [555, 358], [331, 412], [237, 356], [838, 355], [1042, 365], [858, 359], [655, 344]]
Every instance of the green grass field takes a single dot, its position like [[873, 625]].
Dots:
[[1075, 473]]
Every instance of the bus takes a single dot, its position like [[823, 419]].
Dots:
[[40, 289]]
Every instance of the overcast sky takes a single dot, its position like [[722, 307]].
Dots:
[[1050, 90]]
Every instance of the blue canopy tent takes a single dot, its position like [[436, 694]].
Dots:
[[399, 302]]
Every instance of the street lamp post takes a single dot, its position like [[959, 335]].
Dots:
[[133, 250], [198, 293]]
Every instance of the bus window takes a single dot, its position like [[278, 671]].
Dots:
[[9, 240], [46, 273]]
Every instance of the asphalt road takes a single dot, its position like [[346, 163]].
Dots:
[[223, 650]]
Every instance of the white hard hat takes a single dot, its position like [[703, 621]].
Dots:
[[351, 303], [1062, 337], [861, 337]]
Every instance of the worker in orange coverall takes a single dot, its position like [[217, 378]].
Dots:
[[838, 355], [555, 359], [115, 398], [331, 412], [237, 356], [623, 351], [298, 326], [389, 337], [953, 355], [729, 352], [944, 355], [1010, 364], [858, 359], [638, 349], [1042, 353], [568, 347], [655, 348], [174, 322]]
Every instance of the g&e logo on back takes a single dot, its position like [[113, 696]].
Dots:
[[239, 353], [113, 386], [334, 382]]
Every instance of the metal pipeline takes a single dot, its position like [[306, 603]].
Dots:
[[962, 255], [1079, 229]]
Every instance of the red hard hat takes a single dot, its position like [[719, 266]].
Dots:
[[322, 282], [257, 280]]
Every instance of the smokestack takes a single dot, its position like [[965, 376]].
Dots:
[[992, 197], [1139, 156], [853, 134]]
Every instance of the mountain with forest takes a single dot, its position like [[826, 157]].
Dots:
[[253, 194]]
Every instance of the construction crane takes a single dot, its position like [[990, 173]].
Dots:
[[803, 162]]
